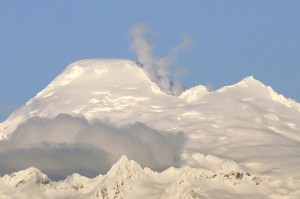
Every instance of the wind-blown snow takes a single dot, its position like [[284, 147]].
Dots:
[[246, 126]]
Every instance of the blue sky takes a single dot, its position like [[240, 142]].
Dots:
[[231, 40]]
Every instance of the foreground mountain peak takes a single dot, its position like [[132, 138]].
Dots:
[[26, 177], [125, 168]]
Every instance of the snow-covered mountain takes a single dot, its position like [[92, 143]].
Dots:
[[127, 179], [247, 123]]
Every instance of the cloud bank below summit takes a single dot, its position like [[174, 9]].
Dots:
[[66, 144]]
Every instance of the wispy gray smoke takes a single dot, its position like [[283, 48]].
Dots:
[[158, 69], [65, 144]]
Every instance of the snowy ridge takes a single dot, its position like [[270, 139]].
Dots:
[[251, 83], [194, 93], [127, 179], [28, 176]]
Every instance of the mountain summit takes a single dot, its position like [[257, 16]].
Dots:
[[88, 88]]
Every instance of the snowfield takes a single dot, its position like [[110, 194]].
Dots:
[[241, 141]]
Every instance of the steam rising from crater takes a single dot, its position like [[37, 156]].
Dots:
[[158, 69]]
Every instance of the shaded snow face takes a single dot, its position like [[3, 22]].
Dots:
[[65, 144]]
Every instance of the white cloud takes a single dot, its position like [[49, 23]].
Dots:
[[65, 145]]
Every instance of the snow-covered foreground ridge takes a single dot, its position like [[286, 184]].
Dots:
[[127, 179]]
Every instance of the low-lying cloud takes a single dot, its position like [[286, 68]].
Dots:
[[66, 144], [158, 69]]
